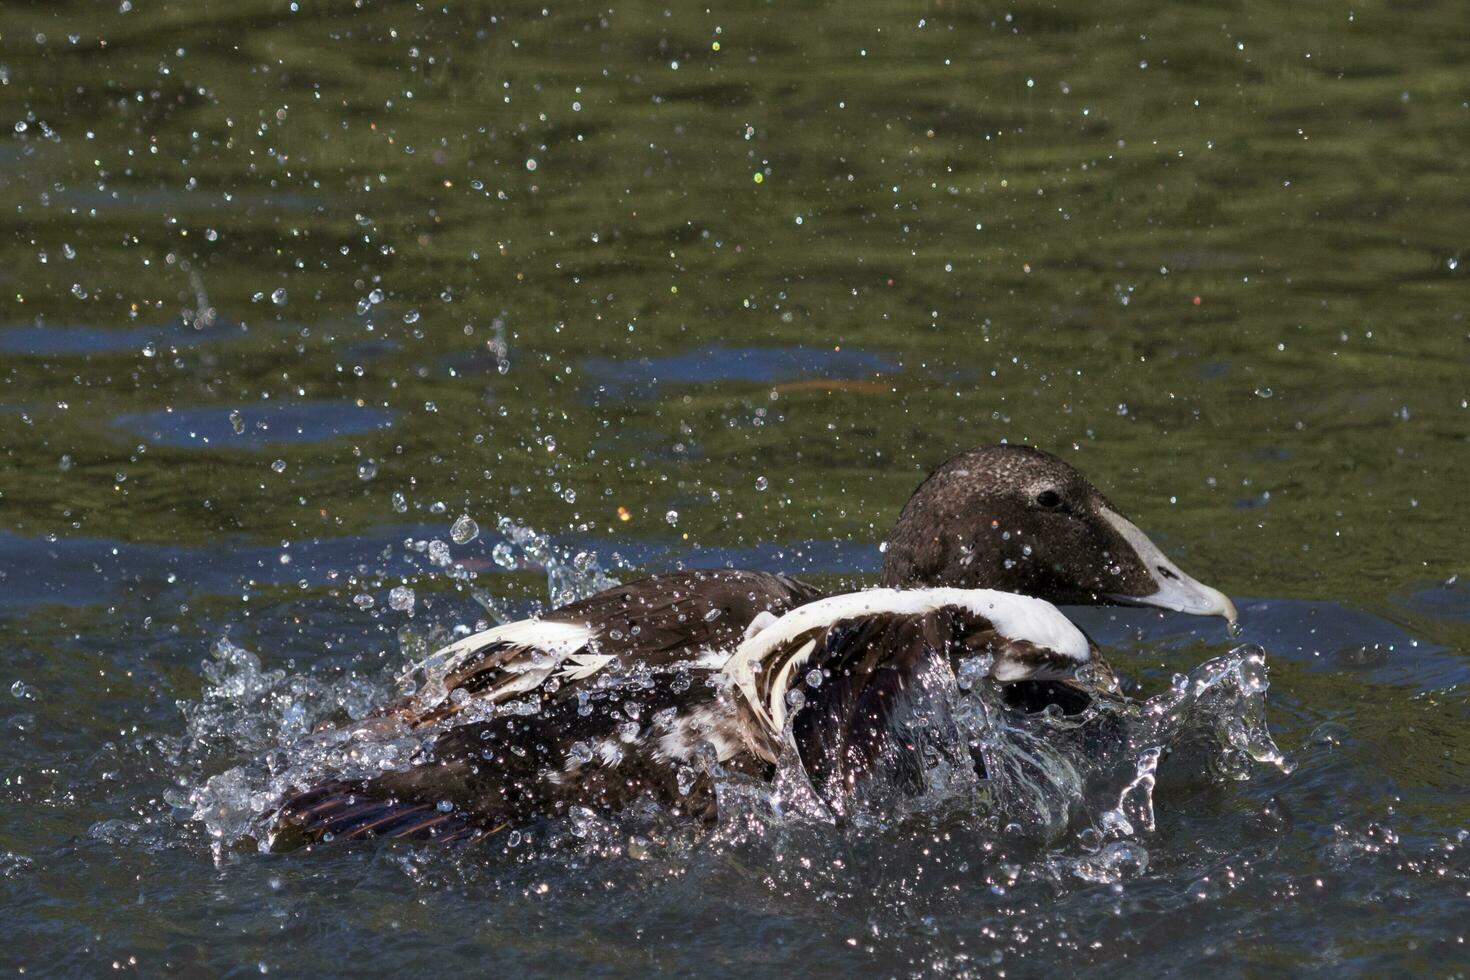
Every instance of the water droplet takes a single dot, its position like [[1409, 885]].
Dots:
[[439, 553], [367, 469], [362, 601], [761, 483], [279, 296], [279, 466], [1264, 392], [464, 530], [236, 422], [672, 517], [401, 598], [400, 502], [531, 164]]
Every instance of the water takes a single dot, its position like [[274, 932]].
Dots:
[[1217, 260]]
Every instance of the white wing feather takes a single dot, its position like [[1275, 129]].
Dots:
[[1016, 617]]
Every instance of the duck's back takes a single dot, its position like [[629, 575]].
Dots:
[[667, 615], [655, 624], [659, 632]]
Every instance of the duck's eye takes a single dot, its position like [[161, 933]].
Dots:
[[1049, 499]]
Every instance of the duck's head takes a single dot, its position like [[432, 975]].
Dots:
[[1022, 520]]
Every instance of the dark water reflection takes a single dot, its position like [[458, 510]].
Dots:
[[255, 426], [641, 378], [759, 268]]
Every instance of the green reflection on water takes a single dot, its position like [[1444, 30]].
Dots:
[[1208, 252]]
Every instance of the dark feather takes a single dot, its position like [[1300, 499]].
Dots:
[[878, 722], [355, 810], [654, 624], [873, 720], [1034, 696], [664, 618], [482, 776]]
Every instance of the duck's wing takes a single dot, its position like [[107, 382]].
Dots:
[[591, 736], [680, 621], [874, 669], [617, 745]]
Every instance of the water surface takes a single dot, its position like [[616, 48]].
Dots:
[[705, 286]]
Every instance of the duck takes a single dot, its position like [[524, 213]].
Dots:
[[643, 690]]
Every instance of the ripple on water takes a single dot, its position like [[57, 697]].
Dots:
[[255, 425], [81, 571], [1449, 599], [1319, 635], [641, 377], [43, 340]]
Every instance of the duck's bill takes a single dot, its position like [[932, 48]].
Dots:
[[1176, 590]]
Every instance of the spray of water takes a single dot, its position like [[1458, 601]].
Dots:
[[1081, 784]]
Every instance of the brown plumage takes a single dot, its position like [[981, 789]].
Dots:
[[628, 689]]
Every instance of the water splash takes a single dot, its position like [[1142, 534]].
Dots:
[[295, 729], [1030, 775], [1042, 775], [272, 716], [1212, 719], [570, 575]]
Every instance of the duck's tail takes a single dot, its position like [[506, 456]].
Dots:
[[341, 810]]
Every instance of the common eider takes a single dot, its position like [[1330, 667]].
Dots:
[[633, 692]]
